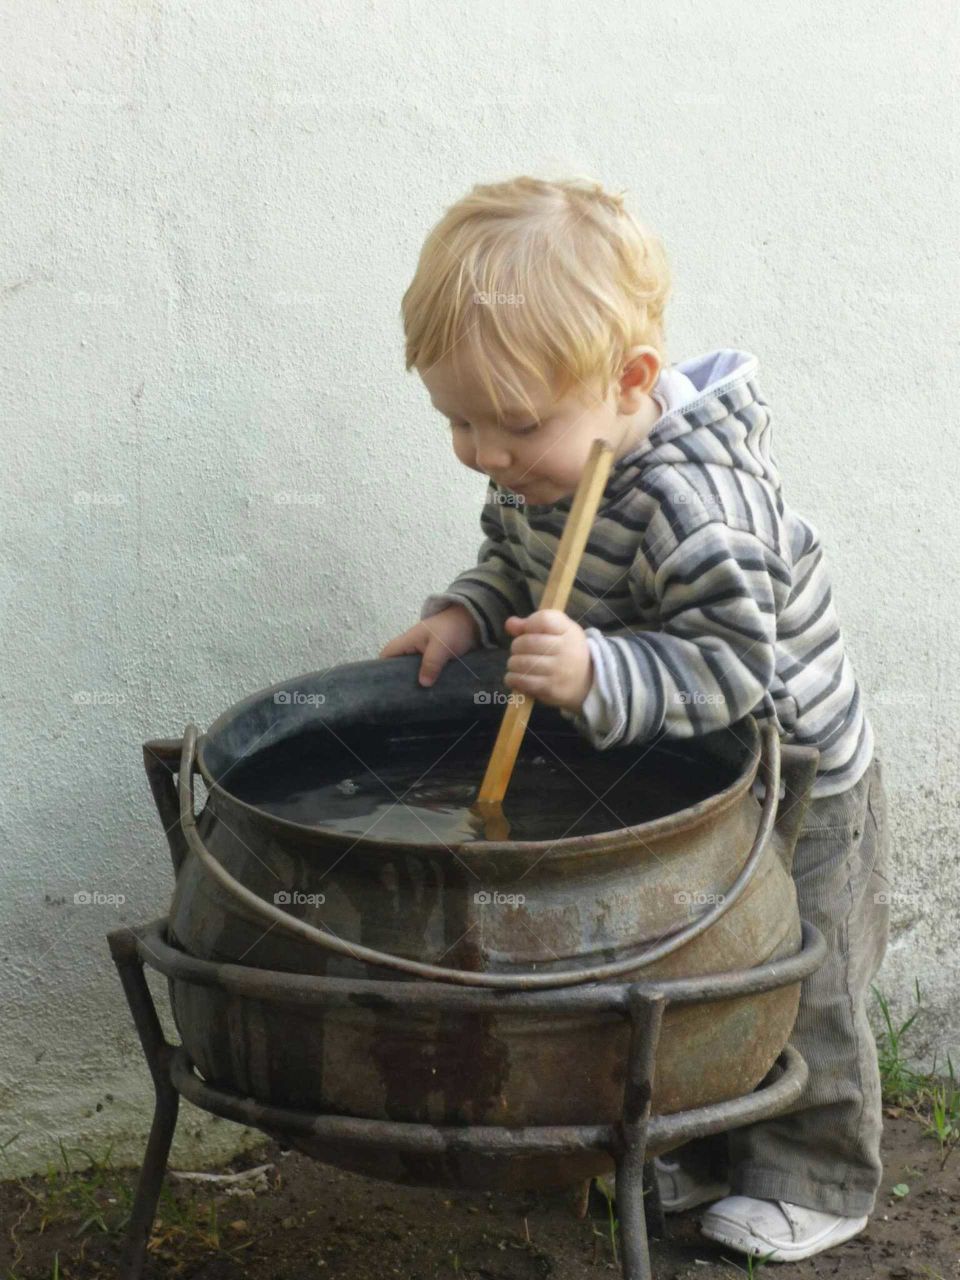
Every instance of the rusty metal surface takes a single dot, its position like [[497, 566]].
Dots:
[[472, 1156], [588, 900], [273, 916], [327, 1137], [151, 942], [451, 1158]]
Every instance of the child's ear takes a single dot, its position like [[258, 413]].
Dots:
[[641, 369]]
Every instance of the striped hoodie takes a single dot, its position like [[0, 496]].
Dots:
[[703, 596]]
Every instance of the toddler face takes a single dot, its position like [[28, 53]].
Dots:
[[540, 456]]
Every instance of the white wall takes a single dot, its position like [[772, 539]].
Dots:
[[211, 212]]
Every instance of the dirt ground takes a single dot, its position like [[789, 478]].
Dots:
[[311, 1221]]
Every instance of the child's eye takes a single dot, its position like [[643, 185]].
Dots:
[[517, 431]]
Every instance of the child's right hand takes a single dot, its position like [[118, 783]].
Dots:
[[442, 636]]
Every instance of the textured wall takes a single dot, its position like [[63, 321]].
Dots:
[[216, 472]]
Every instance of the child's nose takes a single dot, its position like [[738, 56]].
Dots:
[[493, 460]]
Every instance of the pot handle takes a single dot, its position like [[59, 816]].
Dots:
[[270, 913], [798, 767], [161, 759]]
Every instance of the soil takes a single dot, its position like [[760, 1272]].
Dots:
[[313, 1221]]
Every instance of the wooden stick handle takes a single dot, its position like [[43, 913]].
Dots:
[[556, 593]]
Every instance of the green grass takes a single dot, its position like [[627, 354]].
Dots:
[[613, 1223], [944, 1108], [898, 1081], [87, 1192], [754, 1264], [932, 1098]]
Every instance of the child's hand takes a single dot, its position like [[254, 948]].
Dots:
[[549, 659], [442, 636]]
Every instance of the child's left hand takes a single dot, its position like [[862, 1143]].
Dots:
[[549, 659]]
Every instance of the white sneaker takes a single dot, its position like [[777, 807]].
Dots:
[[679, 1189], [786, 1232]]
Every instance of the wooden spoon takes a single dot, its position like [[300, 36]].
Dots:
[[488, 808]]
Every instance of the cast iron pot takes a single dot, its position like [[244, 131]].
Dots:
[[701, 891]]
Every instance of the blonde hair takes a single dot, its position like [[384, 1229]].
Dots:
[[556, 278]]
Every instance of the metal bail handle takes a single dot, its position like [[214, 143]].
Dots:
[[271, 914]]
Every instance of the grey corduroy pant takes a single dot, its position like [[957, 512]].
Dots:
[[825, 1153]]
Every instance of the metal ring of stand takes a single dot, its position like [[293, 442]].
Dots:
[[628, 1141]]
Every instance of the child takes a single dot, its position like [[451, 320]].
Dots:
[[535, 321]]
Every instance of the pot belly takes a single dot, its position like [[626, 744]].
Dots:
[[469, 1069], [381, 1061]]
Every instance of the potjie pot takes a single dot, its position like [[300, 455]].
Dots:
[[703, 890]]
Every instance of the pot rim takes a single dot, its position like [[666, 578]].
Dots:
[[599, 842]]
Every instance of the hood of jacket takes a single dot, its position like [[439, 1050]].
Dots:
[[725, 423]]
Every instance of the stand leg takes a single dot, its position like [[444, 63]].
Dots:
[[656, 1221], [149, 1184], [646, 1014], [130, 967]]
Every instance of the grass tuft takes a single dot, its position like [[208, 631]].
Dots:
[[932, 1099]]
